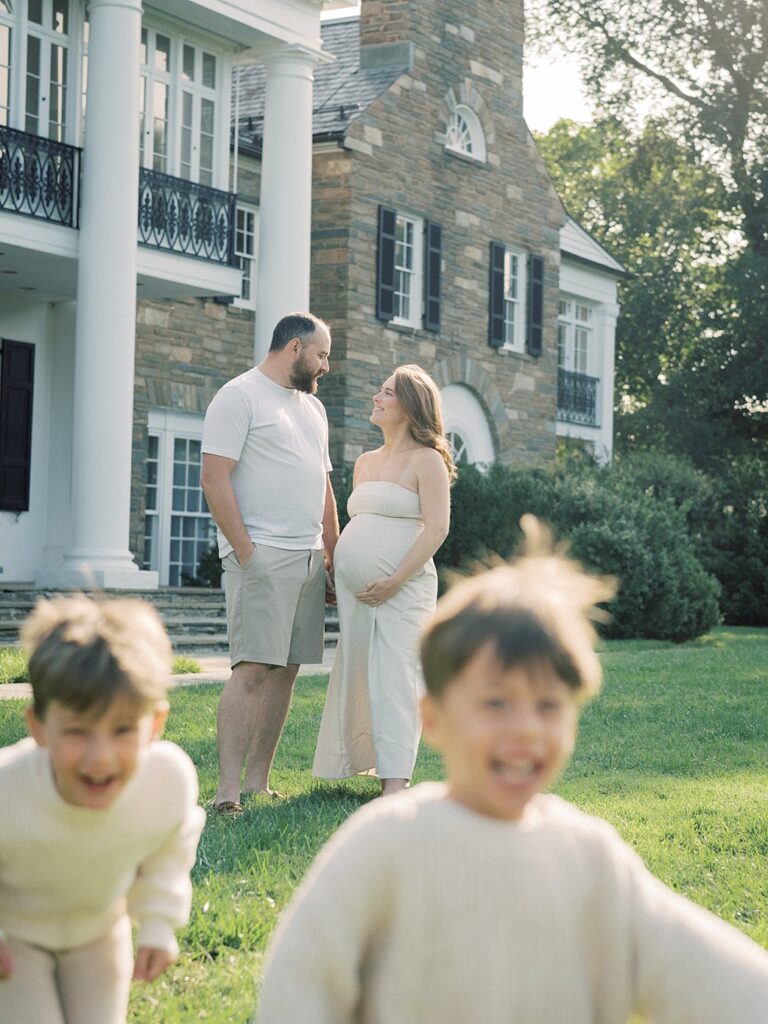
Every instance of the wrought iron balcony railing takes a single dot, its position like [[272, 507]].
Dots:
[[182, 216], [39, 177], [577, 398]]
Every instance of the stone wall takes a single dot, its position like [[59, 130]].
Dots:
[[398, 158]]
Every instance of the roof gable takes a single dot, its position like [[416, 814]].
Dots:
[[577, 243]]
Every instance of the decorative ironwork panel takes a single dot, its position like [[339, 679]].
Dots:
[[182, 216], [577, 398], [39, 177]]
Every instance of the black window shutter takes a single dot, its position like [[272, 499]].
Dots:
[[496, 296], [433, 254], [385, 265], [17, 371], [535, 325]]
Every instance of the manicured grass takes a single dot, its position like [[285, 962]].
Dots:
[[673, 754], [184, 665], [13, 665]]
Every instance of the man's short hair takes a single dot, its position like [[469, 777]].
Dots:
[[294, 325], [84, 652]]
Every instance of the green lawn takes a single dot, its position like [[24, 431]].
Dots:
[[13, 665], [674, 754]]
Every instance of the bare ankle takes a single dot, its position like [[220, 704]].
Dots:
[[390, 786]]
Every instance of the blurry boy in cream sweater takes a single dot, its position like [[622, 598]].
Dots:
[[483, 900], [99, 823]]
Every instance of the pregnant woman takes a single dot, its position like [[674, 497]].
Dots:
[[385, 586]]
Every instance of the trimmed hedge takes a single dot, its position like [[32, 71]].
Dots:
[[665, 592], [727, 518]]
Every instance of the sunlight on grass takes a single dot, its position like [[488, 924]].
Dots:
[[184, 665], [13, 665]]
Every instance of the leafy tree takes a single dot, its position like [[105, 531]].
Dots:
[[645, 198], [707, 60], [702, 66]]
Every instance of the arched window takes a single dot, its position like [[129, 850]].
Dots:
[[464, 133], [458, 447], [466, 427]]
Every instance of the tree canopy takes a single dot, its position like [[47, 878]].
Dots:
[[682, 199], [707, 59]]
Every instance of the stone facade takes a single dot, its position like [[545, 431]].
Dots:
[[393, 153]]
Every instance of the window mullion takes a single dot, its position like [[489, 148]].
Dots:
[[174, 108], [196, 128]]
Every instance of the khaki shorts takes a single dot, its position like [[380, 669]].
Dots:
[[275, 606]]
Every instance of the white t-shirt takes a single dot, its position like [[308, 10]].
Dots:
[[279, 438]]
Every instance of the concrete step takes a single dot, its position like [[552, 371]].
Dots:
[[194, 617]]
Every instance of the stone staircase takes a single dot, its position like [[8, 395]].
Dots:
[[194, 617]]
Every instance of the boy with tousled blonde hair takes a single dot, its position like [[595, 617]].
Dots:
[[100, 820], [484, 899]]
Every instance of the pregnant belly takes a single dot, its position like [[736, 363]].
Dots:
[[371, 546]]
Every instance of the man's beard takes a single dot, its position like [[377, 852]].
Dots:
[[302, 378]]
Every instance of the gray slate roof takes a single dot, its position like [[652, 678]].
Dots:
[[342, 90]]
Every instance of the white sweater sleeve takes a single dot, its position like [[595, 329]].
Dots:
[[160, 898], [316, 958], [691, 967]]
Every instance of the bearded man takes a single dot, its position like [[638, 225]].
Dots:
[[266, 480]]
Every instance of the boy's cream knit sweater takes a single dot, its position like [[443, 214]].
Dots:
[[420, 911], [67, 873]]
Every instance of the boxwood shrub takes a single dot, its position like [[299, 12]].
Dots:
[[665, 592]]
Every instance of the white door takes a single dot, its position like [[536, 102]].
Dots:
[[179, 529]]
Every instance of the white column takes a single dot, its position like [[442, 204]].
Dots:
[[286, 191], [606, 327], [98, 555]]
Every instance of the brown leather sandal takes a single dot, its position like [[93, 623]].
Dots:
[[229, 808]]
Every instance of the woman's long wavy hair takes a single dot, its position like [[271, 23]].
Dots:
[[420, 398]]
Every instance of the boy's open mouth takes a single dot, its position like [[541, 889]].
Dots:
[[517, 771], [98, 783]]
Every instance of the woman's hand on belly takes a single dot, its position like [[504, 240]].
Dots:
[[379, 590]]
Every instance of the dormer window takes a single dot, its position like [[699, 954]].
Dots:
[[464, 133]]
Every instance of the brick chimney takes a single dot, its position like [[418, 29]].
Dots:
[[386, 33]]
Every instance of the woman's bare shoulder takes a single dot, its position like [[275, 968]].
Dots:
[[428, 459], [368, 457]]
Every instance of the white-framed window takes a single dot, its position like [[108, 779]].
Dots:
[[157, 67], [43, 53], [84, 76], [180, 106], [151, 531], [39, 67], [6, 39], [409, 262], [575, 335], [199, 74], [246, 250], [178, 528], [464, 133], [514, 299], [46, 76]]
